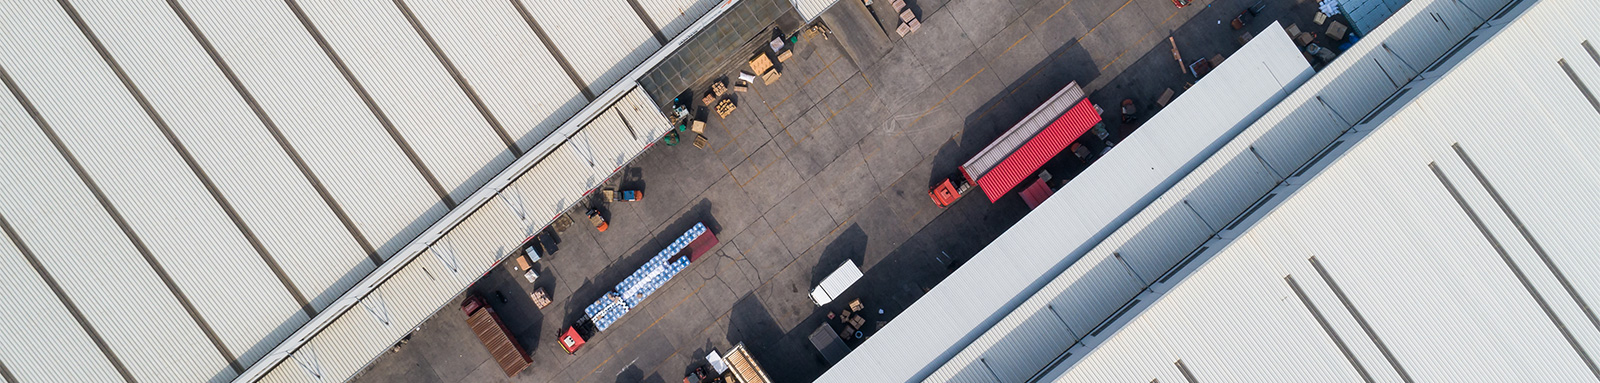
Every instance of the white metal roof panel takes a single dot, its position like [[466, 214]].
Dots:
[[215, 126], [60, 221], [673, 16], [603, 39], [642, 116], [481, 240], [32, 305], [810, 9], [344, 346], [413, 89], [295, 83], [1060, 231], [179, 223], [1144, 350], [536, 198], [614, 146], [520, 82]]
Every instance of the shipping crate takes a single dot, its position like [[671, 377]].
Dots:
[[770, 77], [785, 55], [540, 298], [760, 63], [725, 108], [718, 88]]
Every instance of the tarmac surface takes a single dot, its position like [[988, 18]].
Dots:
[[832, 162]]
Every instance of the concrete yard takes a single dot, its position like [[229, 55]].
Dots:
[[832, 162]]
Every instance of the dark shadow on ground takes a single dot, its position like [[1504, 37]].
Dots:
[[850, 245], [790, 354], [517, 311]]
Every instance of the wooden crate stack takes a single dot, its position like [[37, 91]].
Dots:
[[725, 107], [908, 19]]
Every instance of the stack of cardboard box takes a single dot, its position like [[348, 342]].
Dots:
[[908, 19]]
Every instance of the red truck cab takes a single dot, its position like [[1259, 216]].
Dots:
[[949, 191]]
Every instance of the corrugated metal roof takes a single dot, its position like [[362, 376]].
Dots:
[[1508, 294], [69, 344], [530, 104], [414, 91], [673, 16], [294, 146], [1039, 149], [603, 39], [810, 9], [293, 83], [1003, 276], [51, 213]]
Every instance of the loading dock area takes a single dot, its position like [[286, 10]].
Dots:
[[830, 163]]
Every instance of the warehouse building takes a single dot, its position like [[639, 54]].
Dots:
[[280, 190], [1386, 221]]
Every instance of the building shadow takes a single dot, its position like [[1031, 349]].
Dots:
[[849, 245]]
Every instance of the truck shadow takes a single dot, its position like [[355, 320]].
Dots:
[[850, 245]]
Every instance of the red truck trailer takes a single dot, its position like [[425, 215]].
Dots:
[[494, 335], [1020, 151]]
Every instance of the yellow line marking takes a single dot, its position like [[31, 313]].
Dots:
[[1136, 43], [807, 82], [1053, 14]]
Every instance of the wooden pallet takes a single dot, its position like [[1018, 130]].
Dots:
[[760, 63], [540, 298], [725, 108], [718, 88]]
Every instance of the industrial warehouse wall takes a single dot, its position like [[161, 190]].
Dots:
[[1085, 210], [1214, 202]]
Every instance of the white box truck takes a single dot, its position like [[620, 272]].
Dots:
[[836, 283]]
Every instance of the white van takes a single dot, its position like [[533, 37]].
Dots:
[[836, 283]]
